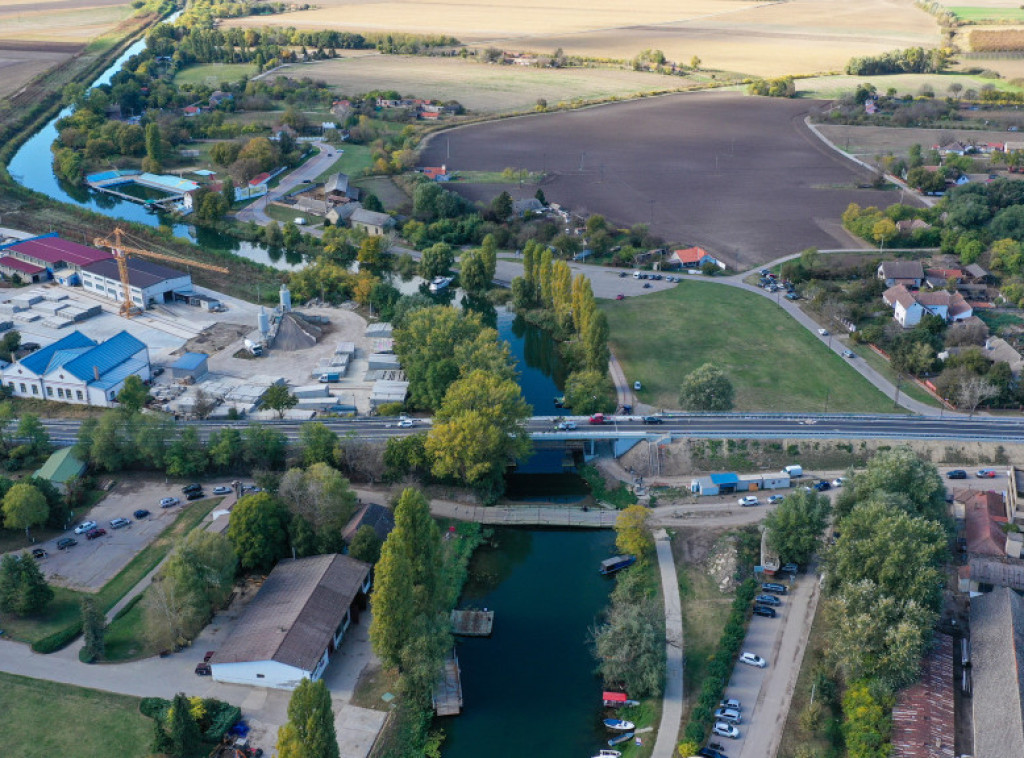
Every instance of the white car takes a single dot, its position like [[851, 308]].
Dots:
[[167, 502], [753, 660], [565, 426], [823, 332], [118, 523], [222, 490], [838, 481], [637, 386], [725, 730], [749, 500], [730, 703], [406, 423], [85, 526], [773, 499]]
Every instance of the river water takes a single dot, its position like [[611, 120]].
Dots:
[[530, 689], [32, 167]]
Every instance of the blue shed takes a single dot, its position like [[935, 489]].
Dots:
[[715, 484], [190, 365]]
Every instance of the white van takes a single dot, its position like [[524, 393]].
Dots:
[[636, 274]]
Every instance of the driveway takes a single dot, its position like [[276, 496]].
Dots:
[[307, 172]]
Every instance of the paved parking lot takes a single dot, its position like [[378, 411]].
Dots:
[[92, 563]]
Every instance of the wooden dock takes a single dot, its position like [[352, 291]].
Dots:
[[448, 688], [472, 623]]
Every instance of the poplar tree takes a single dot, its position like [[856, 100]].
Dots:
[[392, 602], [309, 732]]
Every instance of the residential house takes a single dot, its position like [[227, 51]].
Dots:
[[954, 148], [219, 97], [435, 173], [997, 662], [977, 273], [938, 278], [999, 350], [907, 273], [191, 110], [373, 223], [527, 205], [296, 622], [61, 468], [909, 307], [922, 719], [378, 517], [339, 189], [78, 370], [340, 215], [993, 554], [694, 257]]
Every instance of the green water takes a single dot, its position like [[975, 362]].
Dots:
[[530, 689]]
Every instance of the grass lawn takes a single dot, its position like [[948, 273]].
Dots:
[[829, 87], [977, 15], [63, 611], [881, 365], [283, 215], [774, 363], [352, 160], [214, 73], [998, 320], [125, 638], [498, 177], [44, 719]]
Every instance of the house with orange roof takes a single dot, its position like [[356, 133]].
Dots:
[[693, 257]]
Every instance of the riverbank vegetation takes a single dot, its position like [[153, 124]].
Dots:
[[890, 521], [418, 580]]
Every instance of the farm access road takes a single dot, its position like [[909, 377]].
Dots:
[[307, 172]]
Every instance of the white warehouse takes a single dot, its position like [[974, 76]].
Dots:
[[297, 620], [150, 282]]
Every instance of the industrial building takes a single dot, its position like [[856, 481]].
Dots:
[[728, 483], [150, 282], [61, 259], [297, 620], [190, 366], [76, 369]]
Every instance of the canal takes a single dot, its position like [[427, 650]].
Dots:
[[531, 688], [32, 167]]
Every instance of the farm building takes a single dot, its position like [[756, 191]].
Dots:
[[373, 223], [997, 654], [76, 369], [150, 282], [60, 468], [190, 366], [289, 631]]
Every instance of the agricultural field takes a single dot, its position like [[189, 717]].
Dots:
[[831, 87], [762, 349], [35, 36], [41, 719], [740, 176], [867, 142], [769, 39], [483, 88]]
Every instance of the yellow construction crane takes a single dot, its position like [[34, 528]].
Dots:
[[121, 252]]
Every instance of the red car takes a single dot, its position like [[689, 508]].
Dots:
[[620, 296], [94, 533], [986, 473]]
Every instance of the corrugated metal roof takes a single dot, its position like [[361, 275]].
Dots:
[[55, 250], [294, 616], [190, 361], [728, 478], [119, 373], [997, 658], [61, 467], [141, 273], [17, 264], [115, 351], [38, 361]]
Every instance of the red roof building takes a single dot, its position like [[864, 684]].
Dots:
[[694, 257], [434, 172], [984, 515], [259, 179], [922, 720], [54, 253]]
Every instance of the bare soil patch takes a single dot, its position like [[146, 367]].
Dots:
[[740, 176]]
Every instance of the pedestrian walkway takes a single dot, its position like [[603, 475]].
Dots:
[[672, 701]]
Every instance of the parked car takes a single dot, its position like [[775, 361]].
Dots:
[[66, 542], [790, 568], [168, 502], [565, 426], [986, 473], [191, 488], [203, 669], [838, 482], [722, 729], [195, 495], [119, 523], [767, 600], [775, 589], [623, 275], [141, 513], [85, 526], [637, 386], [38, 553], [764, 610], [730, 702], [753, 660], [822, 486], [406, 423], [823, 332], [620, 296], [846, 353], [222, 490], [158, 371], [773, 499], [956, 473], [647, 285], [653, 420], [749, 500], [728, 715], [94, 533], [710, 752]]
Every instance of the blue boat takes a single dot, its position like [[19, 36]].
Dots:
[[617, 563], [618, 725], [620, 739]]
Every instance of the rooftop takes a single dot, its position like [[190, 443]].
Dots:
[[141, 273], [61, 467], [190, 361], [922, 720], [39, 361], [997, 656], [984, 513], [363, 216], [691, 254], [902, 269], [295, 614], [56, 250], [96, 363], [17, 264]]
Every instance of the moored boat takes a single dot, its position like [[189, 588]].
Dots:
[[617, 563], [605, 753], [618, 725], [440, 283], [620, 739]]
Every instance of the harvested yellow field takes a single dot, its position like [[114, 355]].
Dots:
[[78, 23], [480, 87], [769, 39]]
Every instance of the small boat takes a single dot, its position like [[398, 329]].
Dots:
[[618, 725], [604, 753], [617, 700], [620, 739], [440, 283], [560, 402], [617, 563]]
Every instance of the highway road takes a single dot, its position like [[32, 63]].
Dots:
[[700, 425]]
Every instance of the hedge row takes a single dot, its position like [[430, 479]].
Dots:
[[721, 664], [58, 640], [220, 716]]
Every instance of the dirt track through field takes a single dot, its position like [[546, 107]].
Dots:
[[740, 176]]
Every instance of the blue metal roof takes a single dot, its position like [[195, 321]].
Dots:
[[119, 373], [729, 478], [39, 361], [104, 357], [190, 361]]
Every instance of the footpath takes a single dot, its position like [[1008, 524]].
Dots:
[[672, 700]]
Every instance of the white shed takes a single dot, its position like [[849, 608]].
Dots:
[[775, 481]]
